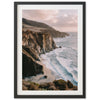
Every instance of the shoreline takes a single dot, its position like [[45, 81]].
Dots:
[[47, 76]]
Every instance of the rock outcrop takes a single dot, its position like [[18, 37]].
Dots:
[[34, 44], [55, 85]]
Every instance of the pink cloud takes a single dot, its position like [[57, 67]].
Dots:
[[40, 14], [63, 20]]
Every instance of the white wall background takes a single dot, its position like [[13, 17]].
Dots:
[[7, 51]]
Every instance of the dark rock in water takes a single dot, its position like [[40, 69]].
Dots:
[[60, 47], [70, 85], [45, 76]]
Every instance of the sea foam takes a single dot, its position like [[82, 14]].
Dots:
[[63, 61]]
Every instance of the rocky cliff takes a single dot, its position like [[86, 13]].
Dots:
[[34, 44], [37, 39]]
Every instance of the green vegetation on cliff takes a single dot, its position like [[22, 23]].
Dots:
[[55, 85]]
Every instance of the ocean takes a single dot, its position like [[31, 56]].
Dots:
[[63, 61]]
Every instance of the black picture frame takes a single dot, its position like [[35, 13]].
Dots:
[[15, 50]]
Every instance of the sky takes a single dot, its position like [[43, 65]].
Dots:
[[61, 20]]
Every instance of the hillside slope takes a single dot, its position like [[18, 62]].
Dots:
[[41, 27]]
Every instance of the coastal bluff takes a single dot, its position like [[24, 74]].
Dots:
[[38, 39], [34, 44]]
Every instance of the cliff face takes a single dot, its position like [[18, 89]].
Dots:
[[37, 43], [30, 67], [37, 39], [34, 44]]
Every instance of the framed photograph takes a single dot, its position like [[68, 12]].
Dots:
[[49, 50]]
